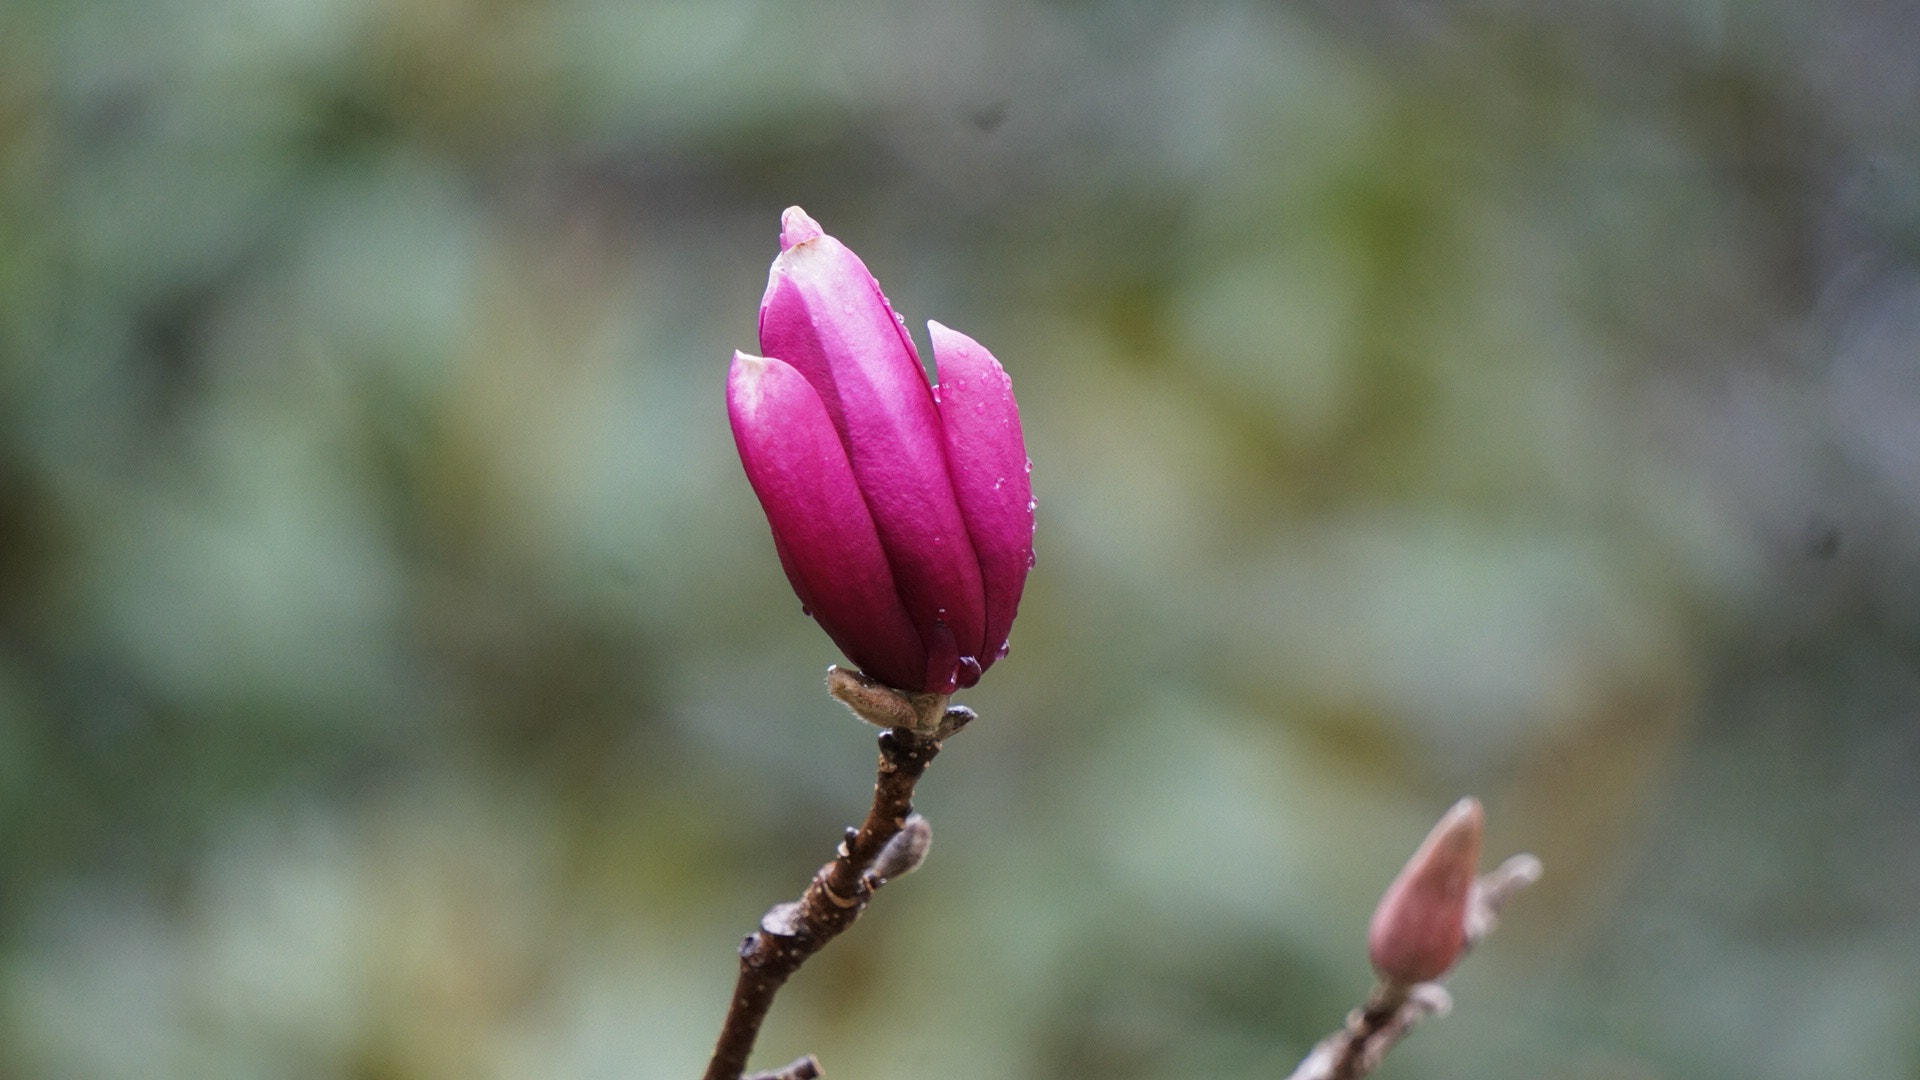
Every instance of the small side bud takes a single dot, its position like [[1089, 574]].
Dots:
[[1494, 889], [807, 1068], [1430, 1000], [905, 852], [1420, 927], [957, 717], [782, 920]]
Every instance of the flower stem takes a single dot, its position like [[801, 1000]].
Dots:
[[840, 890]]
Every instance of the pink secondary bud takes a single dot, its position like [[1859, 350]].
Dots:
[[1420, 927], [941, 483]]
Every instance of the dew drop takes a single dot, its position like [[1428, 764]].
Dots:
[[969, 672], [1029, 466], [807, 611], [1032, 505], [998, 484], [1001, 652]]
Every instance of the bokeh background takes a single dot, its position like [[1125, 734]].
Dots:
[[397, 681]]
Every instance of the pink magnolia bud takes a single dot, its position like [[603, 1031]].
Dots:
[[903, 517], [1420, 927]]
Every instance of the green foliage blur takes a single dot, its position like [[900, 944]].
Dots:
[[1426, 398]]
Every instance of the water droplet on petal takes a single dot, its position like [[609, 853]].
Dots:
[[807, 611], [969, 672], [998, 484], [1005, 648], [1032, 505]]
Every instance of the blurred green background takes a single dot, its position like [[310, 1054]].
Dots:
[[397, 681]]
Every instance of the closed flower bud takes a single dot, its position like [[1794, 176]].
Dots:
[[1420, 927], [902, 515]]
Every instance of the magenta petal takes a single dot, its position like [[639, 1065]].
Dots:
[[987, 460], [825, 315], [821, 526], [943, 661]]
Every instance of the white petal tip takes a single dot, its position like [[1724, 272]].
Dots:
[[797, 228]]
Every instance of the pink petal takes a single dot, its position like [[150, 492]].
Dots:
[[1420, 926], [821, 526], [825, 315], [992, 477]]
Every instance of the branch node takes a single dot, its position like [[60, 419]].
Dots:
[[842, 902]]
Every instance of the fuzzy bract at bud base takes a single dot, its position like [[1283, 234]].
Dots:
[[1420, 927], [902, 513]]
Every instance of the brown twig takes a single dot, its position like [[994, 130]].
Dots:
[[1392, 1011], [791, 932]]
